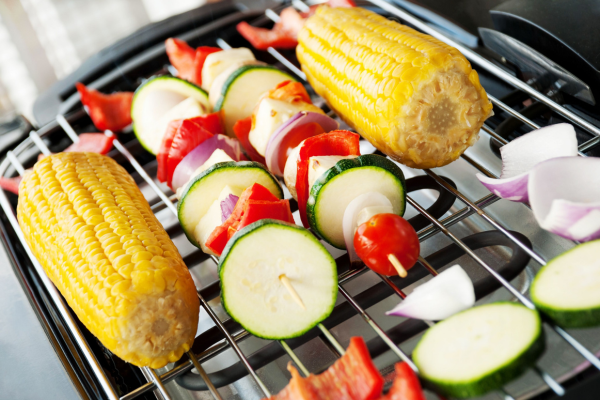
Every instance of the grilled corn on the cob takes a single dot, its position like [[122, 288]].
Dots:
[[412, 96], [96, 237]]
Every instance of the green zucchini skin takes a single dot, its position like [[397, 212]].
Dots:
[[256, 227], [572, 318], [216, 167], [564, 317], [345, 166], [495, 379], [239, 72]]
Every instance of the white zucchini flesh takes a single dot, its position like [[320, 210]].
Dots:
[[213, 218], [568, 287], [199, 194], [476, 350], [166, 97], [252, 291], [218, 62], [345, 187], [240, 95], [217, 86], [318, 165]]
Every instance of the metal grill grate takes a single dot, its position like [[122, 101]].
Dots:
[[156, 381]]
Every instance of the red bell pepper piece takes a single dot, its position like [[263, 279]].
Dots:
[[11, 184], [201, 53], [290, 91], [406, 385], [188, 61], [92, 143], [352, 377], [163, 152], [261, 38], [242, 131], [182, 57], [210, 123], [107, 111], [284, 34], [189, 135], [334, 143], [219, 237], [255, 210]]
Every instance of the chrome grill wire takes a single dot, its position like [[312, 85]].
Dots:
[[156, 381]]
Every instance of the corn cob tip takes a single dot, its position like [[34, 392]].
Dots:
[[96, 237], [412, 96]]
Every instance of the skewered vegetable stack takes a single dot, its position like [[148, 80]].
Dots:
[[412, 96], [96, 237]]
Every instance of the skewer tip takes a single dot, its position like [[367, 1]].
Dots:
[[399, 268], [288, 285]]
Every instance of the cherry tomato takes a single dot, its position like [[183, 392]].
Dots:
[[386, 234]]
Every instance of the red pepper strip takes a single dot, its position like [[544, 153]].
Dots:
[[92, 143], [210, 122], [163, 153], [406, 385], [182, 57], [255, 210], [334, 143], [11, 184], [107, 111], [262, 39], [201, 53], [290, 91], [352, 377], [242, 131], [189, 135], [218, 238]]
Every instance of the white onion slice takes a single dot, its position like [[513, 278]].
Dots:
[[303, 117], [564, 194], [349, 222], [439, 298], [201, 153], [524, 153]]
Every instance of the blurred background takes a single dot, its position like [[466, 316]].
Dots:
[[41, 41]]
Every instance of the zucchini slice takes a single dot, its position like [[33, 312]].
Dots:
[[567, 289], [160, 100], [243, 88], [251, 268], [480, 349], [202, 191], [338, 186]]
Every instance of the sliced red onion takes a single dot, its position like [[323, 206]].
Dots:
[[439, 298], [201, 153], [303, 117], [564, 194], [524, 153], [227, 206], [349, 222]]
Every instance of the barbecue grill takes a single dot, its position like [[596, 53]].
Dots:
[[457, 220]]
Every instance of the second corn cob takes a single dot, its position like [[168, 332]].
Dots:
[[412, 96], [96, 237]]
